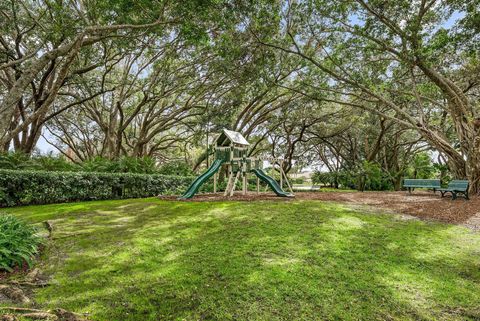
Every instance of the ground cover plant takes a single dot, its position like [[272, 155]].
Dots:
[[150, 259], [18, 242]]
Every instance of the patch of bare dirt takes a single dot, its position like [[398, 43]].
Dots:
[[421, 204]]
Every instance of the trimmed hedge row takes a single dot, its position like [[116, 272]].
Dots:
[[18, 187]]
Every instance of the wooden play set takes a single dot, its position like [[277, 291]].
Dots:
[[231, 150]]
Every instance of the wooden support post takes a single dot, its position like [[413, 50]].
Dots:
[[244, 175], [281, 176], [286, 180], [234, 183], [258, 185], [244, 183], [215, 183], [230, 176]]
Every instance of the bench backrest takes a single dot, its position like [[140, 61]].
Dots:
[[422, 182], [458, 185]]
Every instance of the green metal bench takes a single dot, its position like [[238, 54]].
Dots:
[[411, 184], [456, 187]]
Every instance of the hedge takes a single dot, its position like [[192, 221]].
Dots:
[[20, 187]]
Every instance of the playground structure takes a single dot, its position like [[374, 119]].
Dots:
[[231, 150]]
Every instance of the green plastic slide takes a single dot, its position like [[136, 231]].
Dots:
[[193, 189], [271, 182]]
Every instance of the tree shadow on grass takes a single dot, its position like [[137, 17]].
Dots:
[[258, 261]]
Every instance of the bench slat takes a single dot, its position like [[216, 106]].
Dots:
[[458, 185], [425, 183]]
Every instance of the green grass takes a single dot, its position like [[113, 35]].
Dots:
[[301, 260]]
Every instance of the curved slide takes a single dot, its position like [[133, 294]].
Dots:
[[193, 189], [272, 183]]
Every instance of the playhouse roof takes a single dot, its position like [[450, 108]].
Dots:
[[234, 137]]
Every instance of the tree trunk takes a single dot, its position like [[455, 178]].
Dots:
[[456, 161], [473, 167]]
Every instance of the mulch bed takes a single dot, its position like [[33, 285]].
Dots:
[[421, 204]]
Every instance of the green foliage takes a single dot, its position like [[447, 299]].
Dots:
[[371, 177], [47, 162], [18, 242], [42, 187], [443, 173], [421, 167], [52, 163], [322, 178], [125, 164], [298, 180], [15, 161], [337, 179], [176, 168]]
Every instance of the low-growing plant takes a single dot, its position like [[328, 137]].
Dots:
[[18, 242]]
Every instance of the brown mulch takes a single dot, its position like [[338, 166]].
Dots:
[[421, 204]]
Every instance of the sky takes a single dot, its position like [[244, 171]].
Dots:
[[45, 147]]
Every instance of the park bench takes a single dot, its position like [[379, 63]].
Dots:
[[456, 187], [411, 184]]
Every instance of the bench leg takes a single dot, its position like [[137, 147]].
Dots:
[[443, 193], [434, 190], [454, 196]]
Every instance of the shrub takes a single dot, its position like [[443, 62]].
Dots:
[[336, 179], [371, 177], [18, 242], [298, 180], [125, 164], [322, 178], [368, 176], [49, 162], [422, 167], [18, 187], [176, 168], [15, 161]]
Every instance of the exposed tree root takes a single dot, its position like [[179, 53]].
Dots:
[[30, 284], [32, 279], [21, 310], [40, 316], [36, 314], [14, 293], [49, 226], [8, 317]]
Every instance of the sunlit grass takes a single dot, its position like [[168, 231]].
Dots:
[[302, 260]]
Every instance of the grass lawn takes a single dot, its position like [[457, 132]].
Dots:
[[150, 259]]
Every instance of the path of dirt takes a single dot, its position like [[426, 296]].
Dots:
[[422, 204]]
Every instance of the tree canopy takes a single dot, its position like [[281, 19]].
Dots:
[[346, 86]]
